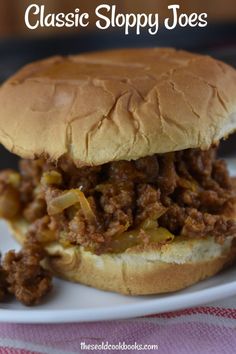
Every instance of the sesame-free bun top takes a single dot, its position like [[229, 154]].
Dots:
[[117, 105]]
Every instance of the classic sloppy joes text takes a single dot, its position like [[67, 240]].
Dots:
[[109, 17]]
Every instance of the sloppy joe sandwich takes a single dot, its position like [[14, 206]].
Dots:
[[119, 179]]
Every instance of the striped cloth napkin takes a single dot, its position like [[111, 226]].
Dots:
[[205, 329]]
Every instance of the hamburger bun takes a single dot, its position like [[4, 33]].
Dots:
[[117, 105], [122, 105], [138, 271]]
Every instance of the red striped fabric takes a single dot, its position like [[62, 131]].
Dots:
[[204, 329], [7, 350], [206, 310]]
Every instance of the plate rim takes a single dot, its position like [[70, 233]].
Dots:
[[119, 312]]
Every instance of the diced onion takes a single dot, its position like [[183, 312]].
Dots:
[[63, 239], [62, 202], [14, 179], [9, 203], [68, 199], [85, 206], [149, 224], [185, 183], [161, 235], [129, 239], [51, 178], [152, 222]]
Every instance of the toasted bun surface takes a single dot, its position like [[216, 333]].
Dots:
[[152, 270], [117, 105]]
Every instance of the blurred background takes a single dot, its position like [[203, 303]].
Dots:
[[19, 45]]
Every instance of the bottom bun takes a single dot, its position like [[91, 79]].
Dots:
[[151, 270]]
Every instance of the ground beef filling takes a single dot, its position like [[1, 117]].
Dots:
[[188, 193], [25, 278], [22, 275], [3, 284]]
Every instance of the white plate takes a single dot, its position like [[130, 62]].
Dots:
[[76, 303]]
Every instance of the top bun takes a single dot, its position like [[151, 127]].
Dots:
[[117, 105]]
